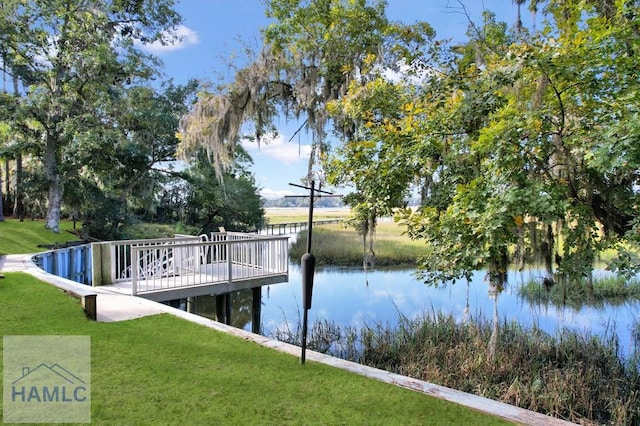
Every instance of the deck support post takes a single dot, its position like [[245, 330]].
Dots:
[[223, 308], [256, 309]]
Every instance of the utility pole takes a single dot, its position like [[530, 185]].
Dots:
[[308, 263]]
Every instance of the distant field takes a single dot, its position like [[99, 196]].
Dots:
[[301, 214]]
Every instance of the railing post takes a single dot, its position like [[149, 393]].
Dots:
[[135, 261], [229, 264], [113, 263]]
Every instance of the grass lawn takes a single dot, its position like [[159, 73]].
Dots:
[[164, 370], [24, 237]]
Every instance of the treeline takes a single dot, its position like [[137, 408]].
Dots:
[[335, 202], [87, 132], [522, 140]]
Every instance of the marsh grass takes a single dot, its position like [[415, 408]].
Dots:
[[342, 246], [573, 376]]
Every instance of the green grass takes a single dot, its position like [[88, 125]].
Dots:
[[570, 375], [137, 231], [24, 237], [164, 370]]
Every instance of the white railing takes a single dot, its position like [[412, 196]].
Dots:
[[228, 257], [120, 255]]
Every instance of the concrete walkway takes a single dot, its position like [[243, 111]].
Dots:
[[119, 307]]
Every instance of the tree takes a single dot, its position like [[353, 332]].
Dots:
[[119, 170], [523, 145], [71, 55], [313, 51], [233, 203], [2, 133]]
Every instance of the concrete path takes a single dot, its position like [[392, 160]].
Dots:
[[118, 307], [112, 306]]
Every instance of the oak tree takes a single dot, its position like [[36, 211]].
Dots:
[[72, 56]]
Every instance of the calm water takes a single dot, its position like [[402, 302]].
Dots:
[[352, 297]]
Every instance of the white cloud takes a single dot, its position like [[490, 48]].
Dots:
[[179, 38], [280, 150]]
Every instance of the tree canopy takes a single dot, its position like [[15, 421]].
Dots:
[[73, 58], [86, 125], [311, 54], [522, 142]]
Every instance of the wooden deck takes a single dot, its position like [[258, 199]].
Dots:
[[170, 269], [211, 281]]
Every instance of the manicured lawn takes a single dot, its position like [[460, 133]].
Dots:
[[24, 237], [164, 370]]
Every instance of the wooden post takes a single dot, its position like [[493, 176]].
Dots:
[[102, 257], [223, 308], [70, 264], [229, 266], [89, 305], [88, 271], [54, 262], [256, 309], [220, 308]]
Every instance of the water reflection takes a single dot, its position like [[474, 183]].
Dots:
[[349, 296], [241, 303]]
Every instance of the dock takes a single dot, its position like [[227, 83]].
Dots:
[[188, 266], [288, 228]]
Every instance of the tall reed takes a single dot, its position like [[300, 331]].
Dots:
[[340, 246], [573, 376]]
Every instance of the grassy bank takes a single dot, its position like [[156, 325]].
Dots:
[[570, 376], [164, 370], [25, 237]]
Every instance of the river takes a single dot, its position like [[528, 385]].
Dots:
[[353, 297]]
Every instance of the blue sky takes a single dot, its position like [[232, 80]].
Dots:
[[211, 31]]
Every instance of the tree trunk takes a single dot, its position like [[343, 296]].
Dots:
[[55, 184], [495, 330], [1, 205], [7, 186], [18, 207]]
